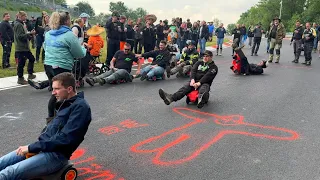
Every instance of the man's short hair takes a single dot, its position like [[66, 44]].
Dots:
[[163, 42], [66, 79], [4, 14], [127, 44]]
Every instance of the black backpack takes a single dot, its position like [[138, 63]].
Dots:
[[79, 30]]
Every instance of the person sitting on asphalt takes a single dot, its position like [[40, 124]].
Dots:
[[202, 75], [120, 68], [188, 58], [59, 139], [161, 59]]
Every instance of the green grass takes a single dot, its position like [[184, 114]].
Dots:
[[39, 66]]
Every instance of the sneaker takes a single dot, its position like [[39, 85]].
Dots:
[[130, 78], [203, 99], [304, 63], [255, 54], [22, 81], [308, 63], [167, 98], [101, 81], [168, 74], [33, 84], [143, 76], [90, 81], [31, 76]]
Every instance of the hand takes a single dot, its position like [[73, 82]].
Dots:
[[22, 150], [114, 69], [307, 38], [178, 62], [125, 29], [296, 31], [154, 66], [85, 44], [138, 55], [192, 82], [138, 72], [196, 85], [33, 32]]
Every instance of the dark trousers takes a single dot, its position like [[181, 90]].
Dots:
[[113, 47], [131, 42], [256, 45], [297, 49], [308, 46], [138, 46], [6, 53], [148, 47], [39, 40], [22, 57], [238, 44], [186, 89], [53, 99]]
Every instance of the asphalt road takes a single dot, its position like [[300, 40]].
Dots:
[[263, 127]]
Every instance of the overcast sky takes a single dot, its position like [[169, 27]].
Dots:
[[228, 11]]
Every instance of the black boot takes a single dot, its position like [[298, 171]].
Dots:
[[167, 98]]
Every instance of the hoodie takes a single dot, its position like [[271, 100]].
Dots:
[[204, 72], [66, 131], [160, 57], [97, 44], [62, 47]]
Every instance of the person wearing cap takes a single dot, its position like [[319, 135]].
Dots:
[[122, 31], [276, 34], [201, 78], [161, 58], [149, 35], [113, 35], [187, 60], [120, 68]]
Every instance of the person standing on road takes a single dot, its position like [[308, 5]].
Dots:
[[308, 37], [203, 37], [257, 32], [276, 33], [297, 41], [315, 44], [22, 46], [39, 34], [7, 37], [250, 35], [220, 32], [113, 36], [236, 35]]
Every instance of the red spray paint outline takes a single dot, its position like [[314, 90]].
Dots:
[[232, 120]]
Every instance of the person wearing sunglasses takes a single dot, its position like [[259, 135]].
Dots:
[[120, 68], [201, 77]]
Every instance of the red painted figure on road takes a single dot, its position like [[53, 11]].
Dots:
[[172, 147]]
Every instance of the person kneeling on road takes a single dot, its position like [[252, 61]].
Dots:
[[188, 58], [161, 59], [58, 141], [120, 68], [202, 75]]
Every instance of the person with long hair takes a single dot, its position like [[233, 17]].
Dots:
[[61, 47]]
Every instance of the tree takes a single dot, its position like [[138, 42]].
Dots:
[[121, 8], [216, 22], [230, 27], [85, 7], [60, 2]]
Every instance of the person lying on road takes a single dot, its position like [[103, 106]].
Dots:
[[202, 75]]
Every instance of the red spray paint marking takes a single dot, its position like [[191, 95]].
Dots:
[[126, 124], [90, 170], [230, 125]]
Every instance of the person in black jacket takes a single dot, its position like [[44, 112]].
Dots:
[[6, 36], [236, 35], [113, 36], [160, 33], [161, 59], [203, 37], [39, 34], [297, 41], [130, 34], [202, 75], [58, 140], [149, 35], [309, 35], [123, 31]]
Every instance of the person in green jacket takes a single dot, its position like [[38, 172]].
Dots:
[[22, 48]]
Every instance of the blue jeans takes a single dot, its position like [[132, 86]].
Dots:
[[219, 42], [13, 166], [157, 71], [315, 43], [202, 43]]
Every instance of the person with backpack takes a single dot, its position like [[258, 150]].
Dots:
[[77, 29]]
